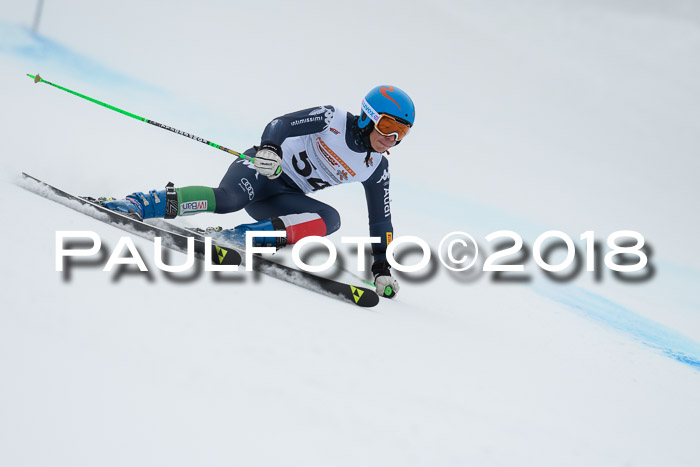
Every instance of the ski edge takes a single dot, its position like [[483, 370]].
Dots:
[[355, 295]]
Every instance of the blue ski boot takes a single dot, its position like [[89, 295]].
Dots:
[[238, 233], [154, 204]]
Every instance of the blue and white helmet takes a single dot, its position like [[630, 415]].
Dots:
[[388, 100]]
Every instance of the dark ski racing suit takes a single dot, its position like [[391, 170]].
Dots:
[[321, 147]]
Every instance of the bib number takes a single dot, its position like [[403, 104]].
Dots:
[[306, 169]]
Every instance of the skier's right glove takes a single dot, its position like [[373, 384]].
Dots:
[[386, 285], [268, 160]]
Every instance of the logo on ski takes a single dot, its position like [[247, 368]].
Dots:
[[220, 254], [356, 293]]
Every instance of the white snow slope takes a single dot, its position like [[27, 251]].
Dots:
[[531, 116]]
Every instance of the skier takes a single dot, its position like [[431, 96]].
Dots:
[[300, 153]]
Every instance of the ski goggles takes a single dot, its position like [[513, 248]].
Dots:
[[386, 125]]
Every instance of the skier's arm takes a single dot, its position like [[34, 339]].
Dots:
[[268, 159], [379, 211], [303, 122]]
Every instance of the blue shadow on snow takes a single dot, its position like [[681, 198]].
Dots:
[[22, 42], [649, 333]]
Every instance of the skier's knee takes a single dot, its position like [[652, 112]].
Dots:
[[331, 218], [307, 224]]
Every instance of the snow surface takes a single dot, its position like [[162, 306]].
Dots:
[[532, 116]]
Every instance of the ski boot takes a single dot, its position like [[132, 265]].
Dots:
[[168, 203], [237, 234], [158, 204]]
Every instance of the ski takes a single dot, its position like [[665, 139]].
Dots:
[[175, 238], [361, 296]]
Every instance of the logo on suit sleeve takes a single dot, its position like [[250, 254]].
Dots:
[[246, 186], [385, 176]]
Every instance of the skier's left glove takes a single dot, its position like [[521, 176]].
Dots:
[[386, 285], [268, 160]]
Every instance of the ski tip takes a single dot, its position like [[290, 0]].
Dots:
[[36, 78]]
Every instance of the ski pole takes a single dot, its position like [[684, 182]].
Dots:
[[39, 79]]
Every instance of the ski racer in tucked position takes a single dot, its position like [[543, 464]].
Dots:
[[300, 153]]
